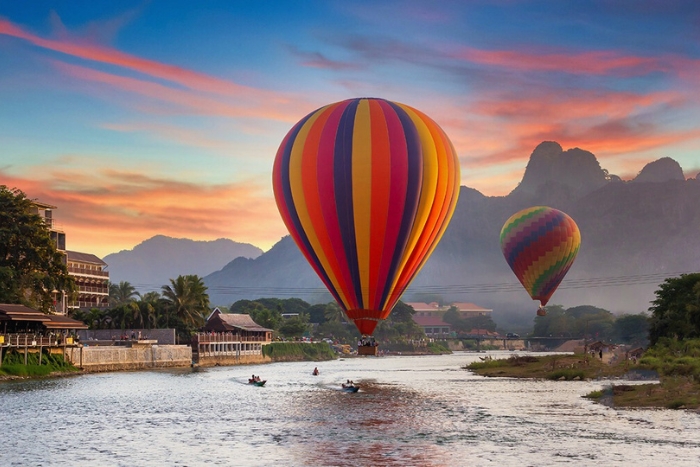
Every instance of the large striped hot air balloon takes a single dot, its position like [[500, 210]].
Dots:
[[540, 245], [366, 188]]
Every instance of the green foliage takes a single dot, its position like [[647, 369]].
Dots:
[[31, 267], [13, 364], [676, 310], [296, 326], [670, 357], [296, 351], [438, 348], [122, 293], [399, 325], [595, 394], [632, 329], [343, 332]]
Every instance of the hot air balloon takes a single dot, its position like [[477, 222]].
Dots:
[[366, 188], [540, 245]]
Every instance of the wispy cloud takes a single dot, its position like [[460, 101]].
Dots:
[[267, 104]]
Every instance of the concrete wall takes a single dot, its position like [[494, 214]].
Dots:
[[163, 336], [223, 360], [113, 358]]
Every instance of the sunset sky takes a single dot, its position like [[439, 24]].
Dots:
[[163, 117]]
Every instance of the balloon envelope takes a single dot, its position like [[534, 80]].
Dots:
[[540, 245], [366, 187]]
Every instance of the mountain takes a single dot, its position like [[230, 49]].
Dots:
[[153, 262], [634, 234]]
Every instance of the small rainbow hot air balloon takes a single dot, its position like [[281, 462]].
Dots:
[[540, 245], [366, 187]]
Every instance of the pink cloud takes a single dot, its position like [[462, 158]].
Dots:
[[590, 62]]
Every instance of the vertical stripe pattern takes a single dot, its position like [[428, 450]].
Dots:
[[540, 245], [366, 188]]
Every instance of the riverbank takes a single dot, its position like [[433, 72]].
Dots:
[[299, 352], [674, 391]]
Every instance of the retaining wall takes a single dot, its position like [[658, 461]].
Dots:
[[223, 360], [114, 358]]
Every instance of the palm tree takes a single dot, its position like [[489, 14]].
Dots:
[[122, 293], [187, 298]]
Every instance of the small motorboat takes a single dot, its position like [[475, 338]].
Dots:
[[257, 382], [350, 388]]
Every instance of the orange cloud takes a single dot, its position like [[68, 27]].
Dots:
[[111, 210]]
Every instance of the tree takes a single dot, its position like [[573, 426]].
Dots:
[[675, 313], [122, 293], [632, 329], [187, 299], [296, 326], [31, 267]]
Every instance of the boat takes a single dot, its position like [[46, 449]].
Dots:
[[257, 382], [350, 388]]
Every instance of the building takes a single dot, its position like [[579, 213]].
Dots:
[[20, 319], [91, 278], [429, 316], [89, 272], [230, 339], [433, 326], [240, 325]]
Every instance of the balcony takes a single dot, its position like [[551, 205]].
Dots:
[[88, 272]]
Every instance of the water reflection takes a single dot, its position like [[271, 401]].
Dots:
[[409, 411]]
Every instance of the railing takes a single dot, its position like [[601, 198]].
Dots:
[[100, 290], [31, 340], [206, 338], [91, 272], [82, 304]]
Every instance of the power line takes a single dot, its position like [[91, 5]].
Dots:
[[583, 283]]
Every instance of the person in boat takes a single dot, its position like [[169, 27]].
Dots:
[[315, 371]]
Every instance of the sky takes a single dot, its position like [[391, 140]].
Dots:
[[139, 118]]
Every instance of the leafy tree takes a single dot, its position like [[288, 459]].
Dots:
[[317, 313], [399, 325], [632, 329], [31, 267], [576, 322], [675, 313], [186, 298], [122, 293], [296, 326], [343, 332], [269, 318]]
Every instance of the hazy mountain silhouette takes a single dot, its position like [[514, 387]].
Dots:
[[153, 262], [646, 227]]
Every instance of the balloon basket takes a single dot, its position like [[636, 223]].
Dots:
[[541, 312], [367, 350]]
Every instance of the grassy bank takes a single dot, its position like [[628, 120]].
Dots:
[[13, 365], [677, 364], [432, 348], [554, 367], [298, 351]]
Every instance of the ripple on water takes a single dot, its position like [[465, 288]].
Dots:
[[425, 411]]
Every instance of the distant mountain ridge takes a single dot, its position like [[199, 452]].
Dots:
[[636, 231], [153, 262]]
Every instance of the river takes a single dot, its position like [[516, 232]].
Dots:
[[410, 411]]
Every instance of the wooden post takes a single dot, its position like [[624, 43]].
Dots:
[[41, 350]]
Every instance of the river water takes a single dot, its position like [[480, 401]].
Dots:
[[410, 411]]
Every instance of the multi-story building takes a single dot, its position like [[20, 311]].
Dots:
[[88, 271], [430, 316], [92, 279]]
